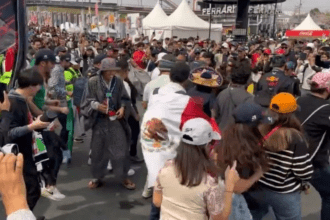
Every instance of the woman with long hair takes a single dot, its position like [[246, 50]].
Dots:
[[241, 142], [289, 163], [188, 187]]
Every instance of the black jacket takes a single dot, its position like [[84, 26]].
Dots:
[[6, 118], [271, 84], [19, 133]]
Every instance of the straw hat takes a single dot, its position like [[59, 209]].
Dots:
[[206, 76]]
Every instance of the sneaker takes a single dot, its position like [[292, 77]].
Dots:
[[131, 172], [109, 166], [49, 193], [89, 162], [66, 156], [79, 140], [147, 193], [58, 194]]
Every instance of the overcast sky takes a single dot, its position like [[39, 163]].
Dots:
[[289, 5]]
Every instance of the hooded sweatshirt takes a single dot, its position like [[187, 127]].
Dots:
[[19, 132]]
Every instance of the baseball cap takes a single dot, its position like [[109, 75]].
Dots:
[[66, 57], [250, 114], [189, 44], [322, 79], [198, 131], [73, 62], [311, 45], [225, 45], [285, 42], [167, 62], [197, 51], [290, 65], [99, 58], [160, 56], [283, 103], [45, 55], [109, 64], [278, 61], [267, 51]]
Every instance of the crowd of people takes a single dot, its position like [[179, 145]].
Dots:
[[228, 129]]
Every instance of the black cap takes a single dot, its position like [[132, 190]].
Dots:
[[197, 51], [250, 114], [278, 61], [98, 59], [45, 55], [66, 57]]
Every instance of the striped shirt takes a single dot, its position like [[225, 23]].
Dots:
[[288, 168]]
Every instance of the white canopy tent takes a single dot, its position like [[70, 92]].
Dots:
[[155, 18], [70, 27], [308, 24], [184, 23]]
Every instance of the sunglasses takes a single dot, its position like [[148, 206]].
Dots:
[[284, 47]]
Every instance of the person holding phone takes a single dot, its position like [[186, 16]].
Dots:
[[304, 69]]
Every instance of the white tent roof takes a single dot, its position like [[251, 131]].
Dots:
[[184, 18], [103, 29], [155, 18], [308, 25]]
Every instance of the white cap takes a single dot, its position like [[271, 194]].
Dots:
[[198, 132], [73, 62], [225, 45], [311, 45], [160, 56], [229, 40], [271, 39]]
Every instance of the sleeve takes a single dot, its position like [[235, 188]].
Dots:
[[213, 198], [146, 93], [22, 214], [158, 187], [6, 118], [302, 166], [216, 109], [123, 99]]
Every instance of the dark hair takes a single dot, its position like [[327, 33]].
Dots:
[[289, 126], [180, 72], [239, 75], [37, 40], [242, 143], [29, 77], [123, 64], [140, 44], [193, 164], [310, 49], [315, 88]]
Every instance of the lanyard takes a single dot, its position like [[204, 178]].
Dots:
[[109, 93]]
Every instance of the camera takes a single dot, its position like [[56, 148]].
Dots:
[[10, 149]]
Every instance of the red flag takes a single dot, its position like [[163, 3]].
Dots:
[[96, 9]]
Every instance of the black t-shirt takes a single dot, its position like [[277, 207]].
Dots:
[[315, 116]]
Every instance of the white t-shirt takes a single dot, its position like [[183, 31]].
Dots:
[[155, 73], [162, 80]]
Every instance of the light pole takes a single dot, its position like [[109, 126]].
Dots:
[[274, 20]]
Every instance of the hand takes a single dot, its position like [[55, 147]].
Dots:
[[65, 110], [120, 113], [53, 102], [12, 186], [231, 177], [5, 105], [103, 108], [38, 124], [69, 93]]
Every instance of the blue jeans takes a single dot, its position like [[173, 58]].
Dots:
[[320, 181], [155, 212], [285, 206]]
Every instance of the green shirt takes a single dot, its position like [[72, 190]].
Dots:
[[39, 98]]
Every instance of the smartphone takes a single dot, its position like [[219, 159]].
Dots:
[[3, 87], [154, 33], [303, 56]]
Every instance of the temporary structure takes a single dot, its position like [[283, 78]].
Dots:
[[155, 18], [102, 29], [307, 29], [184, 23]]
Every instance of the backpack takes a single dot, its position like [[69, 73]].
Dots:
[[79, 88]]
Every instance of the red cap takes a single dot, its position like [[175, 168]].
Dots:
[[201, 43], [280, 51], [267, 51], [110, 40]]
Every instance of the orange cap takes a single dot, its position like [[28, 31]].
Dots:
[[283, 103]]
